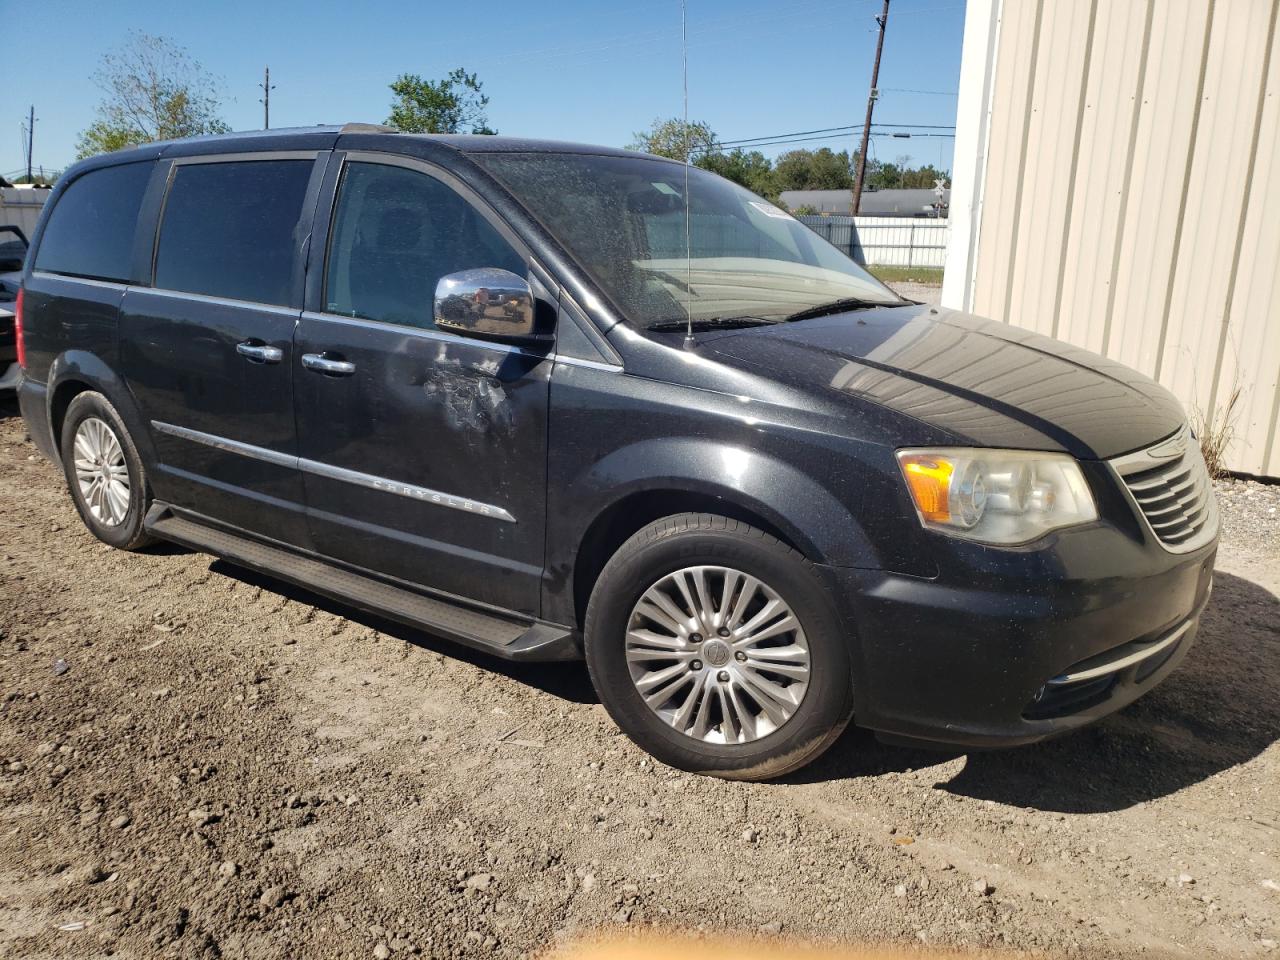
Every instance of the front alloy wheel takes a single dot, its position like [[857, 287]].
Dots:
[[719, 649], [717, 654]]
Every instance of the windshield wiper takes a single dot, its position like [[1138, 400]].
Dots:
[[838, 306], [710, 323]]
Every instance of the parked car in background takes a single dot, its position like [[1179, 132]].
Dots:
[[555, 401], [13, 251]]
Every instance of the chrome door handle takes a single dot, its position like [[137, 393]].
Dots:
[[322, 364], [259, 352]]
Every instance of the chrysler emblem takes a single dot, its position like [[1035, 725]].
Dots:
[[1174, 447]]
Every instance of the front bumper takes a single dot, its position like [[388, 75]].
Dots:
[[998, 662], [10, 377]]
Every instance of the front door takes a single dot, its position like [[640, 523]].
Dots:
[[423, 453], [207, 350]]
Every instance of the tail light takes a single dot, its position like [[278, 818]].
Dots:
[[17, 330]]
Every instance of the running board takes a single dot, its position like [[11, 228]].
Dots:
[[504, 637]]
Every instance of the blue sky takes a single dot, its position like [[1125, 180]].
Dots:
[[574, 70]]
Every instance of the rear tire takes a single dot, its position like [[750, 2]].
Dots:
[[104, 472], [739, 708]]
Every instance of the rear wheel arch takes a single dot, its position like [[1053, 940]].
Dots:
[[59, 401], [74, 372]]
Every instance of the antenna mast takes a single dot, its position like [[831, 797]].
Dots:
[[688, 243]]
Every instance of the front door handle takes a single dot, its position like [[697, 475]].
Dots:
[[322, 364], [259, 352]]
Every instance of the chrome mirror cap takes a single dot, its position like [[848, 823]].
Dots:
[[486, 302]]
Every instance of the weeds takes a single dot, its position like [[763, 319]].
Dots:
[[1215, 432]]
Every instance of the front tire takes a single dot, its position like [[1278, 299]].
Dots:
[[104, 472], [717, 648]]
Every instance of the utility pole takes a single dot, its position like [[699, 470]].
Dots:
[[871, 104], [266, 97], [31, 138]]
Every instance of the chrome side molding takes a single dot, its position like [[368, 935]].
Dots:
[[1114, 664], [226, 445], [319, 469], [412, 491]]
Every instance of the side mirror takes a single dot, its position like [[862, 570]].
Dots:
[[486, 302]]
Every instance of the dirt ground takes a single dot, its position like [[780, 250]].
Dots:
[[233, 767]]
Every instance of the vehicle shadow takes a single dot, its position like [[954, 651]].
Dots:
[[1217, 710], [568, 681], [9, 406]]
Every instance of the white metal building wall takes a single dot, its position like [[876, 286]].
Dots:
[[1117, 185], [21, 207]]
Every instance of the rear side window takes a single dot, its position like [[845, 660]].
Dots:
[[396, 233], [90, 230], [231, 229]]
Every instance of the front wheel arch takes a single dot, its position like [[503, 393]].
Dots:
[[617, 523]]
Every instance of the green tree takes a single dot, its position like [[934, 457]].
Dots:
[[924, 178], [821, 169], [450, 105], [883, 176], [675, 139], [153, 91], [752, 170], [900, 175]]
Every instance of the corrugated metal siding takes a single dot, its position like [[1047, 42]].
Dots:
[[1128, 194]]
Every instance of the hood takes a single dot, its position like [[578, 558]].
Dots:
[[987, 383]]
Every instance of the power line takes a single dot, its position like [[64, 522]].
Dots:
[[772, 136], [931, 93], [845, 128], [882, 135], [799, 135]]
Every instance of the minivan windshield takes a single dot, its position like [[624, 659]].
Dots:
[[623, 219]]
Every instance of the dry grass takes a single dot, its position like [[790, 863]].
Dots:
[[930, 275], [1215, 431]]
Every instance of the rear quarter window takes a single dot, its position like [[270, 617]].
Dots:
[[91, 228], [231, 229]]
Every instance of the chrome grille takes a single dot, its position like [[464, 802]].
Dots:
[[1170, 486]]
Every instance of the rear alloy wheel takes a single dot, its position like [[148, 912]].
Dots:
[[101, 471], [718, 649], [104, 472]]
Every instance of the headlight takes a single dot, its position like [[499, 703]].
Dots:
[[996, 496]]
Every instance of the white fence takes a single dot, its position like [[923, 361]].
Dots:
[[20, 206], [886, 241]]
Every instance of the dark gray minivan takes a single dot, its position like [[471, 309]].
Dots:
[[551, 400]]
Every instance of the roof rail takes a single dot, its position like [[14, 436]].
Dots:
[[366, 128]]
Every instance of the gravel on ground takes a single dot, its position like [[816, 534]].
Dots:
[[199, 762]]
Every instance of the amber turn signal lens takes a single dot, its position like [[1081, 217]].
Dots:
[[929, 481]]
